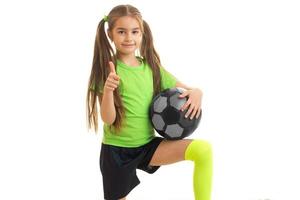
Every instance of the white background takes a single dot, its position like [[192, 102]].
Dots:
[[244, 55]]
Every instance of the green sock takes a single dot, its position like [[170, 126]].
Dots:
[[200, 152]]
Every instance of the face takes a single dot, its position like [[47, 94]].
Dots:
[[126, 35]]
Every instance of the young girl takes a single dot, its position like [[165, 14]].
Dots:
[[122, 85]]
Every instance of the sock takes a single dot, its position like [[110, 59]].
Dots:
[[200, 152]]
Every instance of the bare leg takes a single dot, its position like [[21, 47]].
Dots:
[[169, 152], [199, 152]]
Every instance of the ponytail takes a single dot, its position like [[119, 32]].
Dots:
[[149, 53], [103, 53]]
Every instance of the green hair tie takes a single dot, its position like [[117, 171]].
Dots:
[[105, 18]]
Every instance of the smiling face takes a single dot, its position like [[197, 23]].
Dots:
[[126, 35]]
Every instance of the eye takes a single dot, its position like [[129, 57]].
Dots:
[[121, 32], [135, 32]]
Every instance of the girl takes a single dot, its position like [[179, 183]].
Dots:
[[122, 85]]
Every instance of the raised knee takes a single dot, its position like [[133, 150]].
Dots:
[[198, 151]]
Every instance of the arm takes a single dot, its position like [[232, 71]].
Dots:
[[179, 84], [107, 107]]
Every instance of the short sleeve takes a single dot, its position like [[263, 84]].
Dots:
[[167, 79]]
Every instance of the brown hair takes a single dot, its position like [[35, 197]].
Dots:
[[103, 53]]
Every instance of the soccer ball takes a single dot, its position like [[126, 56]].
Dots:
[[167, 118]]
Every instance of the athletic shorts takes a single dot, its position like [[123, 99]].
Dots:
[[118, 167]]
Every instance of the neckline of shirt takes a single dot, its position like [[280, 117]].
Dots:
[[123, 65]]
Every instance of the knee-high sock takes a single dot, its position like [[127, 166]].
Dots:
[[200, 152]]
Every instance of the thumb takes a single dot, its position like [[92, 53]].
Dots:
[[112, 67]]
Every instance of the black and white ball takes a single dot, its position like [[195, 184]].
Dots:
[[167, 118]]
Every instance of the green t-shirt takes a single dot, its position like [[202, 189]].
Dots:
[[136, 90]]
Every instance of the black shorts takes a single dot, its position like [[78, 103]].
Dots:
[[118, 167]]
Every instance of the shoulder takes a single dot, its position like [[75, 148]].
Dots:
[[144, 61]]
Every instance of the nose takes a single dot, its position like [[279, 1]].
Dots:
[[128, 37]]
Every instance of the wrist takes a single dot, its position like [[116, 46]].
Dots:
[[194, 88], [198, 90], [108, 92]]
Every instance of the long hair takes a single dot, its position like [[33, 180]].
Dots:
[[103, 53]]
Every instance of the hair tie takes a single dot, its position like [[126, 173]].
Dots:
[[105, 18]]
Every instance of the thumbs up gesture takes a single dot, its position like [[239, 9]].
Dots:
[[112, 80]]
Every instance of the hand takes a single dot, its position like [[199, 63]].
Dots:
[[193, 103], [112, 81]]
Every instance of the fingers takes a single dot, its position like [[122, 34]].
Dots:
[[193, 103], [198, 113], [184, 94], [112, 67], [109, 88], [112, 81], [193, 109], [113, 76], [192, 112], [187, 103]]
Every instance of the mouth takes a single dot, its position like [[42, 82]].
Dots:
[[128, 45]]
